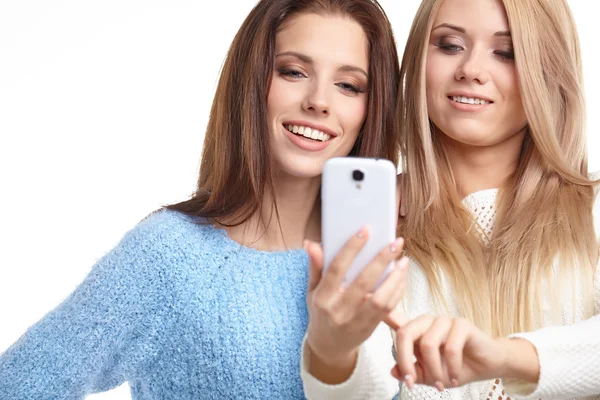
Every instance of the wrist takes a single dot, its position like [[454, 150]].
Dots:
[[331, 369], [521, 360], [333, 359]]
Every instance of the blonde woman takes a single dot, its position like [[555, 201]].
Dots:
[[500, 222]]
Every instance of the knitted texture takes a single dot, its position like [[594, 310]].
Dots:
[[178, 310], [558, 347], [569, 361]]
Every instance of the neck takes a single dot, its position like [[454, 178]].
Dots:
[[478, 168], [296, 218]]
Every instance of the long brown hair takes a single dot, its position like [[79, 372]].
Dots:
[[236, 168], [544, 229]]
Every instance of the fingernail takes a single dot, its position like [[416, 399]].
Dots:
[[397, 243], [454, 382], [439, 386], [362, 232], [408, 380]]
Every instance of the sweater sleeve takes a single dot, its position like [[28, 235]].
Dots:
[[569, 365], [371, 378], [578, 372], [98, 336]]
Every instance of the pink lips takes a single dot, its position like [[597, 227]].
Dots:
[[305, 143], [311, 125], [466, 106]]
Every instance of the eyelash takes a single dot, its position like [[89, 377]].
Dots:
[[350, 88], [347, 87], [450, 48], [291, 73], [505, 55]]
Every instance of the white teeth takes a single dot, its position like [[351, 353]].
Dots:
[[469, 100], [309, 133]]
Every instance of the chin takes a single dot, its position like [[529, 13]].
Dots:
[[301, 167], [469, 135], [471, 140]]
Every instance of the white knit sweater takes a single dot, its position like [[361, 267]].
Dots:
[[569, 355]]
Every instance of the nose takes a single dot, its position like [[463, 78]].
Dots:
[[317, 99], [473, 68]]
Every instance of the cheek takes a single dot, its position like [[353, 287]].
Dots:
[[275, 97], [508, 83], [352, 114], [437, 70], [515, 91], [282, 95], [436, 77]]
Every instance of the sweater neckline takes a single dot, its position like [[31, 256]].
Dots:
[[229, 242], [481, 197]]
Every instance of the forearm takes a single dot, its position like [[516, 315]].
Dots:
[[522, 360], [568, 365], [96, 337]]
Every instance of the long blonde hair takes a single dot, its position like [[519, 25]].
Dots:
[[544, 227]]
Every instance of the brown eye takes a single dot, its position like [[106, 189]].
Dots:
[[349, 88], [291, 73]]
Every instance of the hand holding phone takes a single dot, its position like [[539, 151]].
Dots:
[[351, 289], [358, 192]]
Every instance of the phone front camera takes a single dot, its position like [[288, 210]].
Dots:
[[358, 175]]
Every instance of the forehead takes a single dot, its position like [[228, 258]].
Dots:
[[475, 16], [332, 38]]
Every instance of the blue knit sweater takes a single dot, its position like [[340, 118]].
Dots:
[[178, 310]]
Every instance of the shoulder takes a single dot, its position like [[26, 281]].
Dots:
[[171, 229], [164, 243]]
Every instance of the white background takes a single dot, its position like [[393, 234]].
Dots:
[[103, 107]]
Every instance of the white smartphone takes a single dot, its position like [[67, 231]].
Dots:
[[357, 192]]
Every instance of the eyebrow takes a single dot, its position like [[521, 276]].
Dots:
[[309, 60], [462, 30]]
